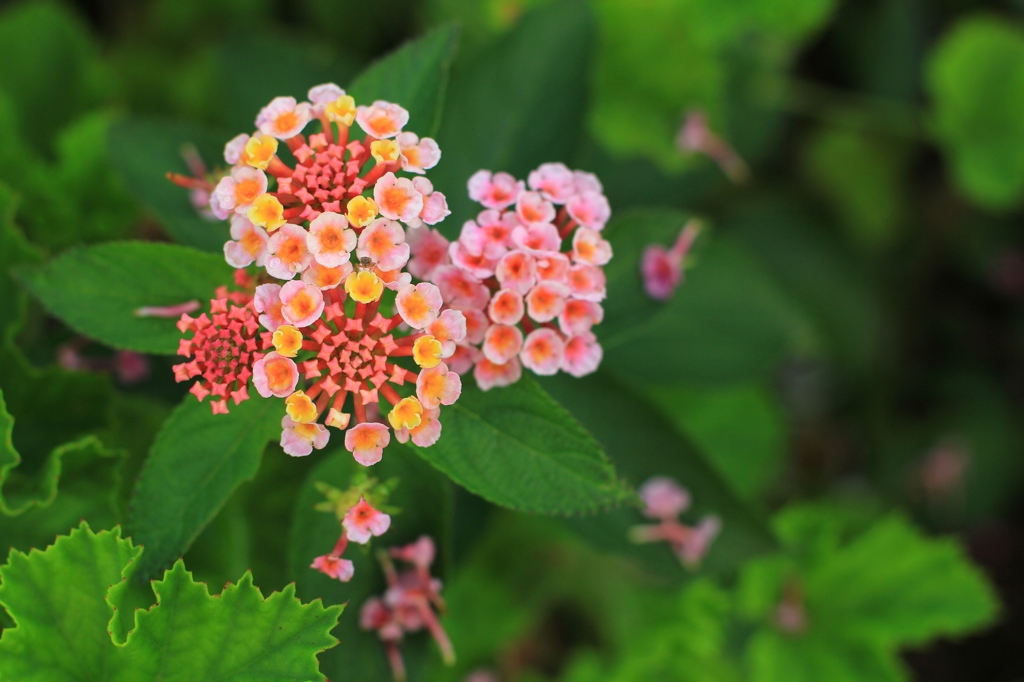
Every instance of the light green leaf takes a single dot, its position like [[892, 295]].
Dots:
[[517, 103], [778, 657], [56, 598], [975, 76], [424, 499], [64, 599], [518, 448], [236, 636], [414, 76], [863, 599], [143, 151], [97, 290], [894, 586], [727, 322], [689, 648], [197, 461]]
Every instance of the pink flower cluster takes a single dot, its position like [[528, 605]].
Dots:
[[527, 274], [332, 229], [408, 604], [664, 500]]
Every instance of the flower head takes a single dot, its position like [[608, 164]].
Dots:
[[527, 274], [664, 500], [222, 348]]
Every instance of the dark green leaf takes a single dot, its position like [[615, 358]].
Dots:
[[20, 492], [50, 67], [415, 76], [197, 461], [14, 250], [97, 290], [516, 104], [728, 321], [642, 445], [518, 448], [290, 69], [144, 151]]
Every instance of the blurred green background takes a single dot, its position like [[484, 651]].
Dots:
[[856, 336]]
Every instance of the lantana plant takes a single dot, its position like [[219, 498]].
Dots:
[[325, 313]]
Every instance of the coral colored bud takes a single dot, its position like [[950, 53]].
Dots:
[[300, 408], [259, 150], [341, 110], [267, 212], [407, 414], [287, 340], [361, 211], [385, 151], [426, 351], [364, 286]]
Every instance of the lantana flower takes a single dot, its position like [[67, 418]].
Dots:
[[221, 350], [409, 604], [331, 229], [664, 501], [662, 269], [527, 274]]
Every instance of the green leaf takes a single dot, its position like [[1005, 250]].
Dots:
[[50, 67], [57, 599], [518, 448], [642, 444], [424, 498], [975, 76], [894, 586], [727, 322], [14, 250], [18, 493], [688, 648], [238, 635], [741, 429], [143, 151], [864, 597], [863, 177], [63, 602], [197, 461], [778, 657], [414, 76], [516, 104], [815, 271], [654, 65], [97, 290], [290, 69]]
